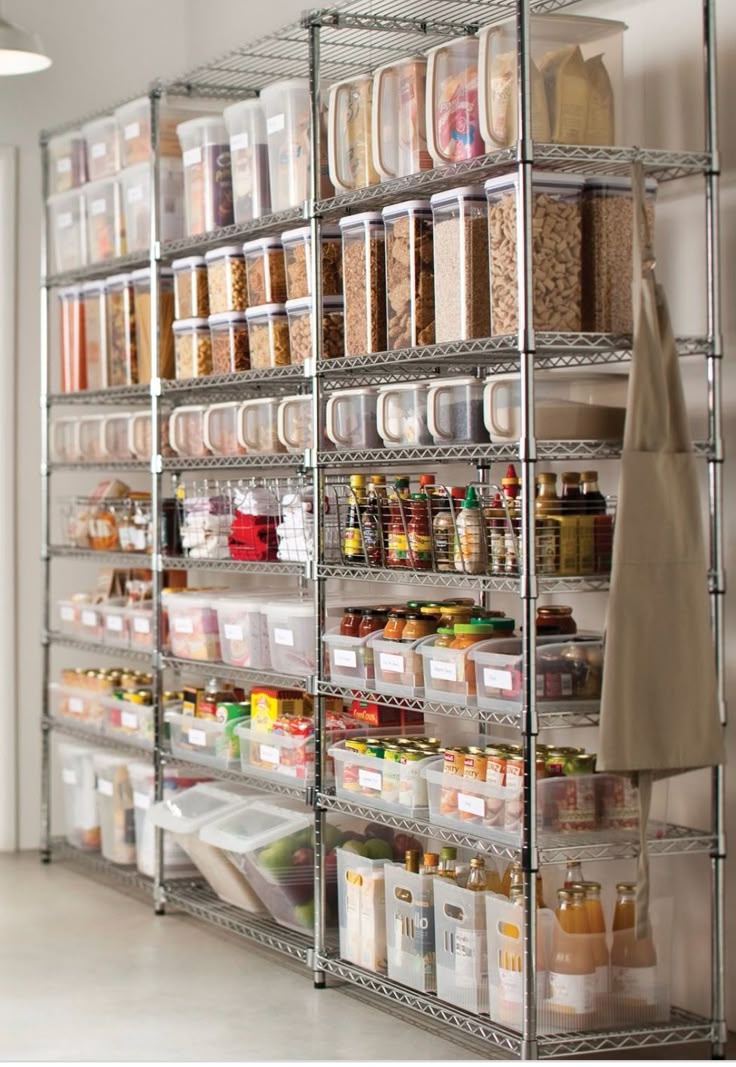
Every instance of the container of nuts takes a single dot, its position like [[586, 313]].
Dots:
[[364, 282], [607, 251], [300, 328], [226, 279], [229, 334], [191, 298], [409, 274], [192, 348], [557, 230], [297, 257], [268, 333], [462, 289], [265, 273], [122, 358]]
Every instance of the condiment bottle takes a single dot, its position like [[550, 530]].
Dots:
[[397, 554], [427, 484], [395, 623], [447, 867], [511, 487], [572, 498], [417, 625], [556, 619], [411, 861], [572, 977], [633, 960], [597, 561], [373, 518], [371, 621], [352, 541], [574, 871], [476, 882], [446, 510], [495, 518], [419, 533], [469, 555], [445, 636], [594, 501], [596, 922], [431, 863], [547, 503]]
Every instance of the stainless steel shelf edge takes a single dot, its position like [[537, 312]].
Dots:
[[64, 641], [102, 465], [287, 788], [233, 566], [224, 670], [452, 580], [247, 231], [683, 1027], [128, 745], [126, 560], [94, 864], [115, 394], [255, 462]]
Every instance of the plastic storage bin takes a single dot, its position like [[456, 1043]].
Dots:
[[297, 246], [275, 756], [66, 162], [122, 357], [126, 721], [226, 279], [67, 224], [350, 660], [455, 411], [410, 935], [265, 272], [95, 334], [139, 435], [81, 817], [383, 783], [220, 429], [208, 189], [268, 334], [91, 444], [299, 313], [73, 370], [65, 440], [105, 229], [205, 741], [349, 138], [246, 125], [185, 814], [453, 130], [364, 282], [449, 674], [557, 224], [361, 900], [68, 616], [399, 118], [191, 296], [142, 301], [461, 946], [287, 108], [192, 348], [461, 280], [116, 436], [229, 337], [186, 430], [79, 705], [115, 805], [141, 628], [291, 634], [409, 274], [193, 630], [350, 418], [134, 122], [136, 195], [102, 148], [257, 426], [402, 415], [586, 407], [294, 423], [576, 80], [176, 861], [91, 622], [243, 631], [398, 666], [569, 671], [117, 626]]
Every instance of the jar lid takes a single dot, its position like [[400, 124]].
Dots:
[[72, 290], [506, 625], [466, 192], [353, 611], [407, 207], [226, 250], [371, 218], [224, 317], [303, 233], [304, 303], [94, 287], [188, 261], [554, 609], [190, 324], [481, 628], [263, 310], [262, 242]]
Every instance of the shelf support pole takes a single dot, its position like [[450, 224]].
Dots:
[[45, 300]]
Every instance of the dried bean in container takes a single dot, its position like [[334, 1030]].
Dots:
[[364, 285], [300, 333], [226, 282]]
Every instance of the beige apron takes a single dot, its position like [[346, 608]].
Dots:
[[659, 709]]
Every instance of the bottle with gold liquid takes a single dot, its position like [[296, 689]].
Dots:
[[633, 960], [597, 924], [572, 974]]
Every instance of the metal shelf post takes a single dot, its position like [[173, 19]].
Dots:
[[45, 297]]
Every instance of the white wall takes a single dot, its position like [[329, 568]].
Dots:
[[104, 52]]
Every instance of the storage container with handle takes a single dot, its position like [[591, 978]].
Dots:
[[101, 143], [349, 140], [65, 440], [453, 131], [588, 408], [257, 426], [350, 418], [186, 430], [402, 415], [208, 191], [294, 423], [220, 429], [287, 107], [136, 196], [398, 125], [455, 411]]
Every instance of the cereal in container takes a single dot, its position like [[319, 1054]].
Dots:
[[208, 190], [191, 296], [142, 291], [229, 335], [122, 359], [226, 279], [265, 271], [461, 280], [364, 283], [268, 332], [297, 256], [409, 274], [192, 348]]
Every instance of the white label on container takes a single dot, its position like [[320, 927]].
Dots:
[[68, 776], [369, 779], [129, 720], [89, 618], [497, 679], [76, 704], [133, 129], [64, 220], [573, 992], [142, 801], [511, 984], [233, 632], [443, 668], [192, 156], [635, 983], [104, 787], [275, 123], [470, 804], [135, 194], [344, 657], [390, 662], [115, 622], [470, 954], [67, 613], [183, 625], [240, 140], [197, 737], [142, 626], [64, 165], [98, 150], [99, 206], [601, 979], [283, 637], [269, 754]]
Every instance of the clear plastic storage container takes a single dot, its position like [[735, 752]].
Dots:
[[268, 335], [265, 271], [95, 334], [399, 118], [243, 631], [68, 617], [142, 779], [246, 124], [78, 705], [453, 130], [350, 660], [455, 411], [398, 666], [193, 630], [208, 188], [226, 279], [81, 817], [449, 674], [91, 429], [364, 282], [191, 296], [122, 355], [66, 162], [142, 301], [92, 623], [299, 313], [410, 935], [67, 224], [291, 634], [462, 290], [461, 939], [115, 805], [192, 348], [294, 423], [393, 786], [65, 440], [349, 140], [73, 368], [557, 224], [134, 125], [288, 109], [586, 407], [409, 274], [128, 721], [136, 196], [117, 626], [257, 426], [141, 628], [205, 741], [186, 430], [102, 148], [275, 756], [116, 436], [350, 418], [139, 435], [402, 415], [220, 429], [361, 900], [297, 246], [230, 348], [105, 228]]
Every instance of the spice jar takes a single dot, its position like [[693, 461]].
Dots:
[[122, 361], [418, 625], [229, 336], [350, 622], [226, 279], [298, 260], [142, 290], [193, 348], [395, 624], [299, 313], [461, 280], [409, 274], [364, 283], [555, 619], [372, 621], [265, 272], [191, 297]]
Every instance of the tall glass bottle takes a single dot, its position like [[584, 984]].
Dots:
[[547, 503], [352, 540], [477, 878], [397, 548], [597, 924], [572, 980], [633, 960]]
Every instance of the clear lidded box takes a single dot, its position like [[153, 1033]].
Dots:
[[136, 195], [257, 426], [142, 296], [297, 257], [265, 271], [67, 220], [462, 291], [246, 124], [67, 166], [186, 430], [191, 296], [399, 118], [95, 334], [364, 282], [409, 274], [287, 107], [208, 199], [453, 130], [134, 127], [349, 139], [299, 313], [226, 279], [102, 147], [122, 356], [220, 429], [268, 333], [105, 228], [230, 348], [192, 348]]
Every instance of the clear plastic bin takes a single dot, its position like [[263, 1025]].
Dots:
[[105, 228], [66, 162], [399, 118], [65, 440], [115, 805], [136, 196], [410, 935], [246, 124], [117, 626], [557, 224], [79, 705], [402, 415], [214, 744], [273, 756], [409, 274], [461, 281], [586, 407], [349, 139], [257, 426], [141, 628], [186, 430], [398, 666], [220, 429], [576, 80], [268, 334], [299, 313], [208, 200], [116, 436], [382, 783], [91, 429], [364, 282], [230, 348], [81, 817], [191, 296], [193, 629], [287, 108], [67, 223], [134, 125], [91, 623], [291, 634], [142, 779], [192, 348], [226, 279], [449, 674], [569, 673], [122, 357], [139, 435], [126, 720], [350, 660], [102, 148], [350, 418], [297, 246], [68, 616], [142, 299], [294, 423], [361, 899], [455, 411], [265, 271], [73, 369], [243, 631], [461, 944], [453, 129], [95, 334], [185, 814]]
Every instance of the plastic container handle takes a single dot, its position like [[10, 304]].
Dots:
[[243, 412], [376, 125], [433, 393], [381, 417], [432, 146], [335, 176], [492, 425], [135, 416], [484, 67], [173, 422], [206, 429], [281, 423], [330, 427]]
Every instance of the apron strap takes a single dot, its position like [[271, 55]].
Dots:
[[642, 880], [643, 244]]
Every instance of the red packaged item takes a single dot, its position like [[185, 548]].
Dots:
[[300, 727], [253, 537]]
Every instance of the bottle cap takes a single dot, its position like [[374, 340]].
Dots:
[[431, 859], [471, 500], [571, 477], [589, 476], [419, 497], [448, 852], [479, 628], [510, 477], [426, 479], [477, 861], [625, 887]]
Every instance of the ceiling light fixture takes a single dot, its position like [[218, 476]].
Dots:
[[21, 51]]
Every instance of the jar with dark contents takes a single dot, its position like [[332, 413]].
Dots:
[[555, 619], [350, 622], [372, 621]]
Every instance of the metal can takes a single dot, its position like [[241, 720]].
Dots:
[[356, 744], [474, 765], [555, 763], [392, 753], [375, 749], [453, 761], [412, 787], [496, 759], [584, 763]]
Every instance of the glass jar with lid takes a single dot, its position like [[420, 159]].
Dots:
[[555, 619], [418, 625]]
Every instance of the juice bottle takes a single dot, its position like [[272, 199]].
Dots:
[[430, 864], [513, 878], [469, 556], [477, 878], [517, 898], [572, 980], [574, 870], [352, 541], [419, 533], [396, 535], [547, 503], [633, 960], [593, 500], [572, 498], [592, 894]]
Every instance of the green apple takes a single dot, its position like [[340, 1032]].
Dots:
[[378, 849], [304, 914], [358, 847]]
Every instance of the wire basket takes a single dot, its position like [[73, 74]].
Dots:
[[123, 525]]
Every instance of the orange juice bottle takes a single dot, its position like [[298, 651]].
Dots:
[[517, 898], [572, 980], [633, 960], [513, 876], [597, 924]]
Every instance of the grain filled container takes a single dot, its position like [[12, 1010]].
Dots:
[[461, 280], [95, 334], [299, 313], [122, 358], [364, 282], [246, 125], [142, 300], [226, 279], [297, 258], [192, 348], [102, 147], [208, 189], [349, 139], [73, 368], [191, 296], [268, 333], [265, 271], [409, 274], [229, 337]]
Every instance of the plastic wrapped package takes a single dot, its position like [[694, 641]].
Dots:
[[208, 189], [142, 303], [122, 358], [246, 124]]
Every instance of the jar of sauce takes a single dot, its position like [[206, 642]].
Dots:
[[418, 625], [463, 601], [371, 621], [445, 636], [502, 627], [395, 623], [450, 614], [350, 622], [468, 634], [556, 619]]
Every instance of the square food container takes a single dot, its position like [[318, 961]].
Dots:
[[192, 348], [67, 167], [361, 901], [364, 282], [73, 369], [68, 616], [193, 629], [453, 130], [410, 933], [226, 279], [122, 357], [102, 147], [91, 444], [136, 196], [449, 674], [229, 337], [186, 430], [65, 440], [398, 121], [350, 660], [205, 741], [275, 756], [243, 630], [257, 426], [208, 189], [265, 272], [142, 779], [220, 429], [462, 290], [398, 666], [409, 274], [300, 328], [141, 628], [294, 423], [117, 626], [350, 418], [455, 411], [268, 334], [349, 134], [81, 817], [291, 634], [142, 302], [79, 705], [105, 226], [116, 436], [246, 125], [191, 296], [401, 415], [95, 334], [297, 246], [67, 222], [128, 721], [115, 805], [382, 783]]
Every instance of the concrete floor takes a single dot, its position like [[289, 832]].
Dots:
[[87, 973]]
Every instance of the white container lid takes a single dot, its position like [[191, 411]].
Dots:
[[116, 281], [304, 303], [210, 128], [261, 242], [190, 324], [370, 218], [243, 107], [408, 207], [297, 609], [143, 274], [467, 192], [443, 383], [276, 88], [263, 310], [304, 233], [567, 29], [359, 390], [221, 253], [539, 178], [188, 261], [247, 829], [94, 287], [71, 291], [182, 599], [188, 810], [225, 318], [403, 387]]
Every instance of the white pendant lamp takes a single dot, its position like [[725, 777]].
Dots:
[[21, 51]]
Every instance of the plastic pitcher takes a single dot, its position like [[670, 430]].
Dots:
[[398, 126], [350, 418], [453, 130]]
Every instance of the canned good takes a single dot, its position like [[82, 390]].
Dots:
[[356, 744], [410, 779], [619, 802], [375, 749], [453, 761], [392, 753], [575, 807], [474, 765], [555, 763]]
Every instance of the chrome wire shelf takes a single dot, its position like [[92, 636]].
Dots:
[[65, 641], [104, 269], [287, 788], [95, 865], [289, 460], [198, 900], [80, 732], [233, 386], [234, 566], [125, 560], [551, 451], [101, 465], [115, 394], [212, 668], [454, 580], [683, 1027], [262, 227]]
